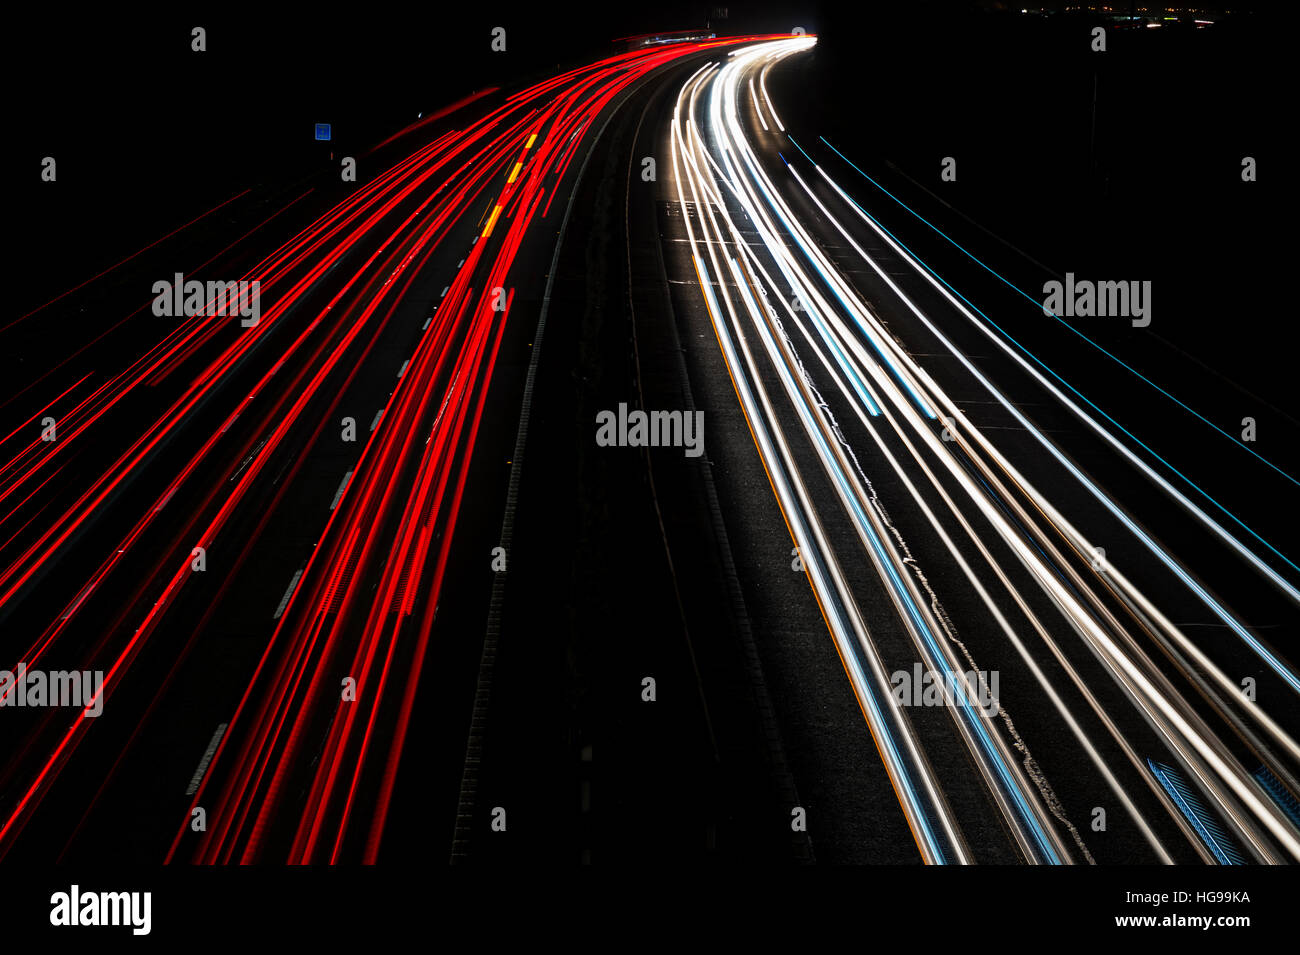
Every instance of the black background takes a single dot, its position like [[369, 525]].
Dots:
[[149, 134]]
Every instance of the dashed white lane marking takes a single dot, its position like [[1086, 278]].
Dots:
[[284, 601], [338, 495], [80, 597], [207, 758]]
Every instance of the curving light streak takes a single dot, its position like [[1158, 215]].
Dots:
[[1036, 836], [948, 291], [718, 164]]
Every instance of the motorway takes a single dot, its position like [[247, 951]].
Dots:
[[926, 597], [928, 468], [247, 526]]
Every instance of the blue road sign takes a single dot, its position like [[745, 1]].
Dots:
[[323, 131]]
